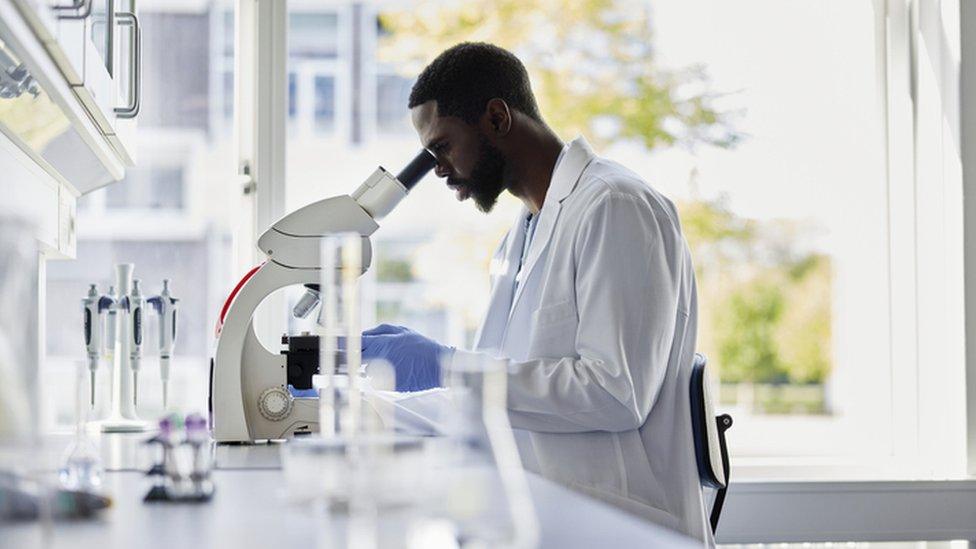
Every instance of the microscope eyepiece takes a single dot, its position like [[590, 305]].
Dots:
[[416, 169]]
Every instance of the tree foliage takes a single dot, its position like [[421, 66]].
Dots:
[[767, 317], [745, 331], [591, 62]]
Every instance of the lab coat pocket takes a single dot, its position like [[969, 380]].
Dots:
[[554, 330], [557, 313]]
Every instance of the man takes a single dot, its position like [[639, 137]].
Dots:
[[593, 302]]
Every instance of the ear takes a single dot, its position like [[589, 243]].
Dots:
[[497, 120]]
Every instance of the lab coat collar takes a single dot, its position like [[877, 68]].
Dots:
[[565, 175]]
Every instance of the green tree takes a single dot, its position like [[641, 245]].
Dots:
[[592, 66], [745, 333], [767, 317], [804, 330]]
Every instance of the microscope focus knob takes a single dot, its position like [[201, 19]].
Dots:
[[275, 403]]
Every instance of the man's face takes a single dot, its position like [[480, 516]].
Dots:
[[473, 166]]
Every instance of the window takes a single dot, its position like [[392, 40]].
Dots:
[[314, 34], [172, 217], [325, 107], [827, 239], [312, 100], [392, 94], [317, 67], [784, 198], [223, 58], [292, 95], [156, 188], [365, 107], [789, 228], [797, 229], [176, 80]]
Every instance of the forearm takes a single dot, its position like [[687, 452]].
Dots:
[[565, 395]]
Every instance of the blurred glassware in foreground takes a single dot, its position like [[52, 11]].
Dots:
[[21, 495], [81, 467], [478, 482], [18, 331], [341, 257], [392, 482]]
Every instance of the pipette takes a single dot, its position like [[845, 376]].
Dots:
[[109, 303], [136, 303], [165, 305], [92, 334]]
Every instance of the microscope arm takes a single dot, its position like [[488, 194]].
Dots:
[[294, 240]]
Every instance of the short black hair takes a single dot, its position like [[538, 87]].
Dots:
[[465, 77]]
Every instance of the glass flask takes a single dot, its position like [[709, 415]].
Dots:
[[340, 405], [476, 473], [81, 467], [23, 495], [18, 334], [365, 483]]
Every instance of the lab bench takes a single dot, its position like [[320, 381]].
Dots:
[[250, 509]]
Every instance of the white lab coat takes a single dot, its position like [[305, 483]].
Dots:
[[599, 342]]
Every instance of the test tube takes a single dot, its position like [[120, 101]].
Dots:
[[478, 481], [339, 334]]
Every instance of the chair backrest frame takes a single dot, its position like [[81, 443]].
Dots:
[[708, 432]]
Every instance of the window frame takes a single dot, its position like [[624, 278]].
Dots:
[[303, 124], [926, 82]]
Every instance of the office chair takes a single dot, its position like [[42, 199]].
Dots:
[[708, 431]]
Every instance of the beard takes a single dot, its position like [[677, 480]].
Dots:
[[487, 179]]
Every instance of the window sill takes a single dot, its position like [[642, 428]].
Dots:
[[849, 511]]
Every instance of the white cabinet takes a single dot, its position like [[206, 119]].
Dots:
[[32, 193], [61, 26], [68, 98], [69, 118]]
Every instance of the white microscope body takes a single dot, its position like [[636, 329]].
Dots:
[[249, 398]]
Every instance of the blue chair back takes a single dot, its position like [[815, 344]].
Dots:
[[711, 451]]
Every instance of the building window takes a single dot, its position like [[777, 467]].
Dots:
[[149, 187], [313, 35], [292, 95], [392, 96], [325, 103]]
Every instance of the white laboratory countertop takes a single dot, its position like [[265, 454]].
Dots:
[[250, 509]]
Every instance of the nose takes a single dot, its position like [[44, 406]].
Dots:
[[441, 171]]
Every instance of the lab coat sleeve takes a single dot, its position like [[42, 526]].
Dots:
[[627, 280]]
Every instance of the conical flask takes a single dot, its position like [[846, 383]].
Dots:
[[478, 476]]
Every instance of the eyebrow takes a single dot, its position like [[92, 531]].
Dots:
[[434, 141]]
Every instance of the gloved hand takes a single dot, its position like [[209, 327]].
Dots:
[[415, 358], [303, 393]]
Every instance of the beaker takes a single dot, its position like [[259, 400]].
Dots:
[[21, 488], [340, 403], [81, 467], [477, 473], [19, 397]]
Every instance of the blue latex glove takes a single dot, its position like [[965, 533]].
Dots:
[[415, 358], [303, 393]]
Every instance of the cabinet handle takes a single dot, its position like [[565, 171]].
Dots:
[[75, 4], [129, 19], [83, 7]]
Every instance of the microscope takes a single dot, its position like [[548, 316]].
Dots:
[[249, 398]]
